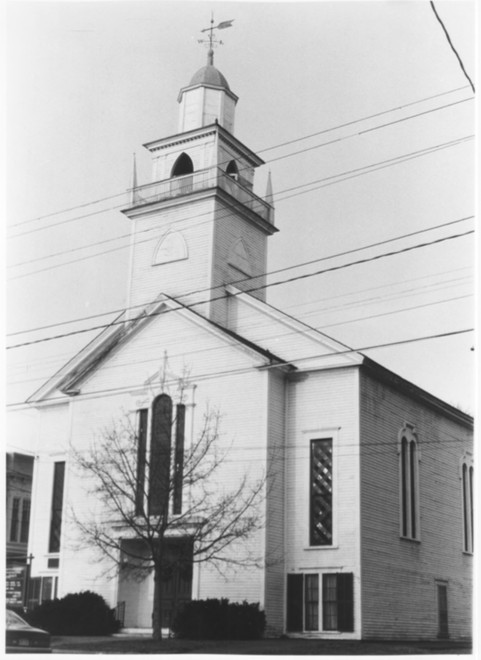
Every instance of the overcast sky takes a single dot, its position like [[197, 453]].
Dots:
[[90, 82]]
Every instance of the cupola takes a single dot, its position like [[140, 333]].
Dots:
[[207, 99]]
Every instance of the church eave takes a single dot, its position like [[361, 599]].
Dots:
[[220, 88]]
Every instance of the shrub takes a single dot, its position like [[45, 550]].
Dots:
[[84, 613], [219, 619]]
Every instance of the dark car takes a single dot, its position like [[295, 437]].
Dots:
[[22, 638]]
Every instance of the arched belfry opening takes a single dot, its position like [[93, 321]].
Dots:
[[183, 165], [232, 170]]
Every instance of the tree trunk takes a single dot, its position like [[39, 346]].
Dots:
[[157, 605]]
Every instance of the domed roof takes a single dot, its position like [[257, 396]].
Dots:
[[209, 75]]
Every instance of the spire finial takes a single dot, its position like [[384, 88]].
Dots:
[[211, 42]]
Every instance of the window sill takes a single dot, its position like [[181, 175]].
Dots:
[[469, 553], [321, 547], [408, 538]]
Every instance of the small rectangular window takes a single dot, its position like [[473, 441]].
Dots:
[[338, 602], [321, 502], [443, 630]]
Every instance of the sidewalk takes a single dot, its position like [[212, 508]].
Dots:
[[141, 643]]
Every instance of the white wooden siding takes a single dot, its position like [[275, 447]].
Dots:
[[399, 576]]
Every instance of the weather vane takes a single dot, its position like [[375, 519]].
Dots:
[[211, 42]]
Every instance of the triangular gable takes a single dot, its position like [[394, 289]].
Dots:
[[290, 339], [67, 380]]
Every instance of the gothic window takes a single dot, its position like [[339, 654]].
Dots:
[[57, 506], [160, 449], [337, 602], [321, 501], [183, 165], [232, 170], [239, 257], [141, 454], [467, 476], [409, 487], [171, 247]]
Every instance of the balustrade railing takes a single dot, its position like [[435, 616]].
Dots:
[[213, 177]]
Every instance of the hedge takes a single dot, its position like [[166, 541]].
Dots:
[[84, 613], [219, 619]]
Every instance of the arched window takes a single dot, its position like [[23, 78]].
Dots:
[[183, 165], [467, 476], [160, 450], [182, 175], [409, 486], [232, 170]]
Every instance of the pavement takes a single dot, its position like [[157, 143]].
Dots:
[[129, 643]]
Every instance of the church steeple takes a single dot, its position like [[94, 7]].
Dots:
[[199, 225]]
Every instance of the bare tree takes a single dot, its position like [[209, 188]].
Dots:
[[164, 507]]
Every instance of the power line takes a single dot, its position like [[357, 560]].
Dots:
[[242, 370], [281, 144], [266, 274], [360, 171], [446, 33], [265, 338], [257, 288]]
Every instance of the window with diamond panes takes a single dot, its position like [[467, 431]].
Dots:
[[321, 492]]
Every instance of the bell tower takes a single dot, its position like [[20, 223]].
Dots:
[[199, 225]]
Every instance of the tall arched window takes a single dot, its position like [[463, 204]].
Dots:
[[409, 483], [182, 175], [467, 476], [160, 450]]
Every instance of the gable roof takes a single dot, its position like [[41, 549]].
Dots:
[[120, 331]]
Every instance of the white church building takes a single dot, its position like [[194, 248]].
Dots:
[[368, 503]]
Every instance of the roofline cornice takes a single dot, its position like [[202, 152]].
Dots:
[[384, 375]]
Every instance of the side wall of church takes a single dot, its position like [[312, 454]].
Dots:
[[400, 576]]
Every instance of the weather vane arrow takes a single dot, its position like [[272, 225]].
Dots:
[[211, 42]]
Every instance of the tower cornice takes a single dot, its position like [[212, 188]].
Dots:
[[198, 133]]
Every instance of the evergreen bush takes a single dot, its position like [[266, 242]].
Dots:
[[219, 619], [84, 613]]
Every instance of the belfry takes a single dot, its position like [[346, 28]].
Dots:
[[199, 225]]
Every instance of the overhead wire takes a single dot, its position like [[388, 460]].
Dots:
[[266, 274], [281, 144], [259, 287], [256, 368], [265, 338], [350, 174], [458, 57]]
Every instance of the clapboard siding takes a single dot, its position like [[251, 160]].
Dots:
[[399, 592], [243, 438], [323, 405], [275, 528], [194, 222]]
